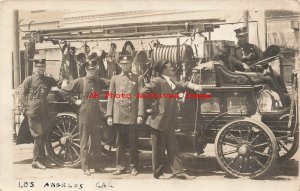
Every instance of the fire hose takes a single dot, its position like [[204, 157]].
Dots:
[[169, 52]]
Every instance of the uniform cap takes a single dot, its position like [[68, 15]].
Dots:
[[125, 59], [241, 31], [39, 62], [90, 64]]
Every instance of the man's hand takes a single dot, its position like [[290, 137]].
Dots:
[[139, 120], [78, 102], [55, 88], [110, 121], [198, 88], [246, 67], [64, 83], [194, 87]]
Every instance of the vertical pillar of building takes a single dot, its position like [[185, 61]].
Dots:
[[16, 61], [297, 37], [261, 28], [258, 16], [209, 46], [297, 68], [246, 22]]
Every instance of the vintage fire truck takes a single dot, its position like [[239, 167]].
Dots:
[[245, 145]]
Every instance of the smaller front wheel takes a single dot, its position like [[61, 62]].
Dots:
[[288, 146], [63, 144], [246, 148]]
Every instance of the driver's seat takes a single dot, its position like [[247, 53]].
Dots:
[[224, 77]]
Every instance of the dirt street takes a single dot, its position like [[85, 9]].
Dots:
[[203, 167]]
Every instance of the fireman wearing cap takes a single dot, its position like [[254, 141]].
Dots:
[[33, 96], [90, 115], [124, 114], [246, 54]]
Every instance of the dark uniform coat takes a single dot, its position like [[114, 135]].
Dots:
[[76, 87], [90, 116], [248, 54], [125, 110], [164, 109], [162, 121], [33, 94]]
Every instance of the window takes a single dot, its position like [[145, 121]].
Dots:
[[237, 105], [211, 106]]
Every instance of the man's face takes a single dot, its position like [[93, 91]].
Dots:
[[40, 69], [91, 72], [113, 50], [87, 50], [129, 49], [168, 70], [242, 39], [82, 60], [125, 67]]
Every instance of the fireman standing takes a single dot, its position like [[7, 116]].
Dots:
[[124, 114], [33, 97], [90, 114]]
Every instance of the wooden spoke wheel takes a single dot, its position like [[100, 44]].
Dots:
[[63, 144], [246, 148], [287, 146]]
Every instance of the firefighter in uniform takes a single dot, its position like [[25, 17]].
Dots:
[[246, 54], [90, 115], [162, 119], [123, 111], [33, 97]]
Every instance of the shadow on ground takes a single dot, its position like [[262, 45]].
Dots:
[[201, 166]]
